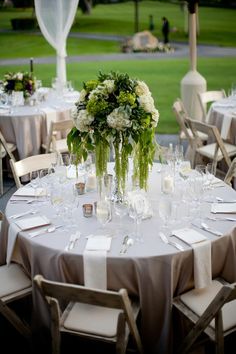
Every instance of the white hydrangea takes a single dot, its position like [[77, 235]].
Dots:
[[119, 119], [141, 89], [82, 120], [99, 91], [19, 76], [147, 102], [155, 118], [110, 85], [82, 95]]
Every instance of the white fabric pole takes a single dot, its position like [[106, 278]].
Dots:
[[55, 18]]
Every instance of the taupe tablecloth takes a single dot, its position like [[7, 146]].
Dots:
[[26, 126], [151, 270]]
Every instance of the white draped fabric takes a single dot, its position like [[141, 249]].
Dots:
[[55, 18]]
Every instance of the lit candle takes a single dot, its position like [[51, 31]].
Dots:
[[91, 182], [31, 65], [168, 184]]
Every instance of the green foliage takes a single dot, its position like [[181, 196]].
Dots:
[[117, 110]]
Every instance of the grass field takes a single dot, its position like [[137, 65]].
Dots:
[[163, 77]]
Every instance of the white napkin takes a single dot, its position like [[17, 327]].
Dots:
[[226, 123], [226, 208], [31, 192], [95, 263], [11, 240], [132, 195], [51, 116], [202, 264], [202, 255], [30, 223]]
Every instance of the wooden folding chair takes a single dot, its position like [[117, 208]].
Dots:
[[208, 97], [29, 164], [91, 313], [216, 150], [58, 129], [6, 150], [211, 310], [185, 132], [231, 173]]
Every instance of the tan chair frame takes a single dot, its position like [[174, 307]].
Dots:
[[201, 324], [209, 97], [29, 164], [57, 127], [54, 292], [231, 172], [7, 151], [22, 292], [211, 131]]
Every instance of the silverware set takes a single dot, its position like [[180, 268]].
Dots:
[[72, 242], [168, 242], [127, 242]]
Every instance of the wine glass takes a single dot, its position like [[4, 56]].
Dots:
[[165, 210], [121, 209], [210, 171], [103, 212], [136, 211], [34, 181]]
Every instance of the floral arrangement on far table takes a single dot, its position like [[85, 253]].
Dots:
[[115, 110], [20, 81]]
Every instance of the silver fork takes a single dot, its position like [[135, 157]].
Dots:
[[172, 243], [73, 238]]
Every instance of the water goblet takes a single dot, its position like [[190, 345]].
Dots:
[[121, 209], [165, 210], [103, 212], [136, 211]]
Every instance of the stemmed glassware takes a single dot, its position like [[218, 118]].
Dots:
[[136, 211], [165, 210], [103, 212], [121, 209]]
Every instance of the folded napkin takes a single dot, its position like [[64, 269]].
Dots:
[[226, 123], [4, 111], [135, 196], [11, 240], [31, 192], [215, 183], [202, 255], [227, 208], [31, 223], [95, 263], [51, 116]]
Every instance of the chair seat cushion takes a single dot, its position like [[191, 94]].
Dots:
[[13, 279], [209, 150], [201, 135], [198, 300], [92, 320]]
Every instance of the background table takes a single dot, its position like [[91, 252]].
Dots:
[[151, 270], [27, 126], [223, 114]]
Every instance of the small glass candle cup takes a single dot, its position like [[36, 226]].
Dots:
[[80, 187], [87, 210]]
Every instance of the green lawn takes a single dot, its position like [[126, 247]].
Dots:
[[162, 76]]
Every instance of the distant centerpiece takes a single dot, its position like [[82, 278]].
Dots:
[[20, 81], [116, 111]]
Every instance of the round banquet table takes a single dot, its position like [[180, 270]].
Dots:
[[223, 114], [27, 126], [152, 270]]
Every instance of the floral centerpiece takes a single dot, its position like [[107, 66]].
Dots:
[[20, 81], [115, 110]]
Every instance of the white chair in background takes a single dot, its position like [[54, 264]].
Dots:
[[32, 163], [208, 97], [6, 150], [54, 140]]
